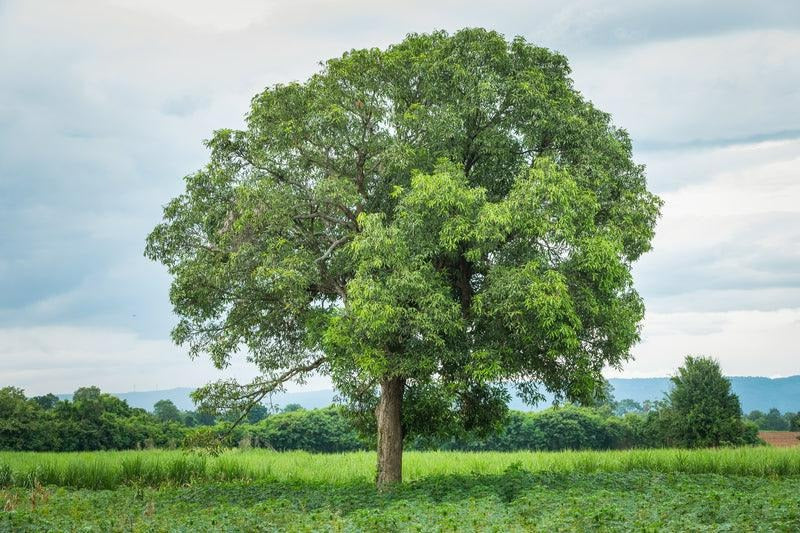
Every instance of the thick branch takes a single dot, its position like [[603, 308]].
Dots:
[[334, 245], [261, 390]]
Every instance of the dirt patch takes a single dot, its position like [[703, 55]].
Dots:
[[783, 439]]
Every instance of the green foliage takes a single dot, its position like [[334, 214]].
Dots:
[[48, 401], [775, 421], [449, 211], [517, 500], [314, 430], [326, 430], [701, 410], [211, 437], [24, 424], [100, 421], [166, 411], [794, 421], [560, 428], [257, 413], [626, 406], [92, 421], [202, 418], [746, 489]]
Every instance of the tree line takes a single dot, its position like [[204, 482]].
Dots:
[[93, 420], [774, 420], [700, 410]]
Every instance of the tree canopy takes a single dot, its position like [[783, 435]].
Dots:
[[166, 411], [420, 223], [93, 420], [702, 410]]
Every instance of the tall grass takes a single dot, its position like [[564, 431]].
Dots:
[[107, 470]]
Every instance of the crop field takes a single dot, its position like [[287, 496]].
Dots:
[[742, 489], [780, 438]]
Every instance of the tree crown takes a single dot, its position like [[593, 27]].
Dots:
[[702, 410], [449, 210]]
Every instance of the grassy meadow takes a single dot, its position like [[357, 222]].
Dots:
[[742, 489], [153, 468]]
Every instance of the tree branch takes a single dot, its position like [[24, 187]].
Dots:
[[334, 245], [262, 390]]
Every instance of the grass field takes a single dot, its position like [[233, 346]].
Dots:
[[744, 489]]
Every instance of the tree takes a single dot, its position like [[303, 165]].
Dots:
[[166, 411], [420, 223], [557, 428], [756, 416], [774, 421], [87, 395], [794, 421], [48, 401], [626, 406], [701, 410], [204, 418], [92, 421], [23, 423], [257, 413], [315, 430], [603, 397]]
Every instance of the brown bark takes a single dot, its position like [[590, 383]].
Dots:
[[390, 432]]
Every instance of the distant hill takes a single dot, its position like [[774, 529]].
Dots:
[[180, 397], [754, 393]]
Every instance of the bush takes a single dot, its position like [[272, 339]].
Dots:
[[314, 430], [558, 428]]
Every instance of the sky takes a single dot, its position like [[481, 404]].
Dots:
[[104, 106]]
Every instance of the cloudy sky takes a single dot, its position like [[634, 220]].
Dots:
[[104, 104]]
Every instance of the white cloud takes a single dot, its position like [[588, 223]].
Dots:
[[60, 358], [668, 170], [772, 185], [725, 86], [211, 14], [745, 342], [732, 240], [722, 279], [103, 106]]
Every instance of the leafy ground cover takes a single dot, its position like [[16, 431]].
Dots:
[[745, 489], [513, 501]]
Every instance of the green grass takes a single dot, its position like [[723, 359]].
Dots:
[[109, 470], [743, 489]]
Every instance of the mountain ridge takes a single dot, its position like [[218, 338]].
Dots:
[[755, 392]]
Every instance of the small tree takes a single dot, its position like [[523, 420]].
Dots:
[[627, 405], [701, 410], [420, 223], [775, 421], [166, 411], [48, 401], [794, 421], [257, 413]]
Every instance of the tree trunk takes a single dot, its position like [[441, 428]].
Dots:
[[390, 432]]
